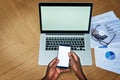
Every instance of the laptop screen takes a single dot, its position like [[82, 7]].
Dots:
[[65, 17]]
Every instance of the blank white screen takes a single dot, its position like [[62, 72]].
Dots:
[[65, 18]]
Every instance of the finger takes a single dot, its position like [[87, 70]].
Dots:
[[56, 62], [75, 56], [52, 62], [64, 70], [71, 59], [69, 54]]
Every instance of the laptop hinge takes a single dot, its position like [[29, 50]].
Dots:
[[64, 33]]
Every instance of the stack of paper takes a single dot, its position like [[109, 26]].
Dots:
[[109, 25], [105, 39]]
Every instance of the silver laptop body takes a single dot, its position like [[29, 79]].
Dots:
[[69, 21]]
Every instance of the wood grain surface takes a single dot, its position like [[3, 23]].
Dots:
[[19, 40]]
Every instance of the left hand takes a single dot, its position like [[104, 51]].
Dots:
[[52, 71]]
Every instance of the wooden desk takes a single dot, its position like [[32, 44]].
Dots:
[[19, 41]]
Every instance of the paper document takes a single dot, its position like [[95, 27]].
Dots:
[[105, 39], [114, 45], [106, 25], [108, 16], [108, 59]]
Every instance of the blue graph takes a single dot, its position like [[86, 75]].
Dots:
[[110, 55]]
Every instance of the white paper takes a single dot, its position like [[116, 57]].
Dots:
[[110, 28], [108, 16], [110, 63], [107, 57], [110, 24], [114, 45]]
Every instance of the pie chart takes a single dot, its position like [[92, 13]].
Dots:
[[110, 55]]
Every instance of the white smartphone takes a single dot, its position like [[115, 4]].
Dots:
[[63, 57]]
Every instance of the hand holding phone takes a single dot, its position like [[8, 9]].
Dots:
[[63, 56]]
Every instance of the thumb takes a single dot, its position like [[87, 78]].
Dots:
[[71, 59]]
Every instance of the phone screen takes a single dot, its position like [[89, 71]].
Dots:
[[63, 56]]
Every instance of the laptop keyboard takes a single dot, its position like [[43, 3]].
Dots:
[[77, 43]]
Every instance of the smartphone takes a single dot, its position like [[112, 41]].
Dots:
[[63, 57]]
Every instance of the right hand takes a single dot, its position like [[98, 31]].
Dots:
[[76, 65]]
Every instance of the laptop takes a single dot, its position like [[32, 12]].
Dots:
[[65, 23]]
